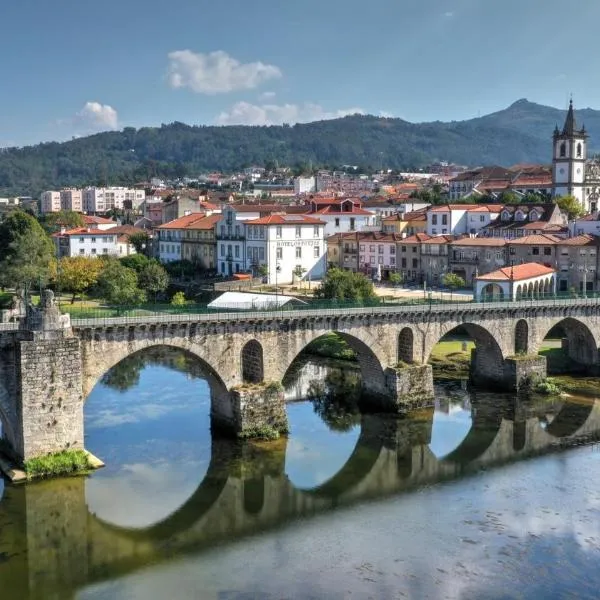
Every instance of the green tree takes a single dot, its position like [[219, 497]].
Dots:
[[52, 222], [154, 278], [263, 270], [508, 197], [453, 281], [571, 206], [395, 278], [118, 284], [140, 240], [345, 285], [26, 252], [76, 274], [178, 299], [137, 262]]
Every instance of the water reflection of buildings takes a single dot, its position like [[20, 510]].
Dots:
[[246, 490]]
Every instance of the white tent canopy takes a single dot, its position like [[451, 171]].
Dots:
[[249, 301]]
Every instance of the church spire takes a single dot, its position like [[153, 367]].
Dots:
[[570, 125]]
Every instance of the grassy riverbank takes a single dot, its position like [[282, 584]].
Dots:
[[331, 345], [450, 359]]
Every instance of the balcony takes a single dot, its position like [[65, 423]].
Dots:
[[464, 260], [231, 237]]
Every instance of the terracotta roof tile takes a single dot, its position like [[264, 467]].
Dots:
[[286, 220], [518, 272]]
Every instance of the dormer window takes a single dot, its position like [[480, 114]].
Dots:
[[505, 215], [533, 216], [519, 216]]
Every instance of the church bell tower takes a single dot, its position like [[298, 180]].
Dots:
[[569, 158]]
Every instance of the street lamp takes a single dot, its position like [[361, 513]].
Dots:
[[277, 271]]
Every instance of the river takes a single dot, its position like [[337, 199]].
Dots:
[[486, 496]]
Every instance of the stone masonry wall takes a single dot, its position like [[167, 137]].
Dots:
[[519, 369], [50, 403], [410, 387], [256, 407]]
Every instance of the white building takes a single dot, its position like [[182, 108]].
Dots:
[[85, 241], [569, 160], [460, 219], [290, 246], [342, 215], [49, 202], [99, 200], [171, 235], [304, 185]]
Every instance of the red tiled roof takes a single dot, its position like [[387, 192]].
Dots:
[[91, 220], [327, 211], [581, 240], [286, 220], [205, 223], [536, 240], [84, 231], [480, 241], [183, 222], [439, 239], [417, 238], [518, 272]]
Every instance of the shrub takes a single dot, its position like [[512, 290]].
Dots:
[[59, 463], [178, 299]]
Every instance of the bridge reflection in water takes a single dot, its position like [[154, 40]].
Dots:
[[58, 544]]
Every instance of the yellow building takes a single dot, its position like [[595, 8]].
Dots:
[[409, 223], [199, 244]]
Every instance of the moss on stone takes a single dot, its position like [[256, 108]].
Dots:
[[67, 462], [262, 432]]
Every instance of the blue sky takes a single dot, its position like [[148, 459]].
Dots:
[[74, 67]]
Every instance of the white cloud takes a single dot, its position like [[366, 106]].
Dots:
[[96, 117], [267, 95], [244, 113], [216, 72], [449, 14]]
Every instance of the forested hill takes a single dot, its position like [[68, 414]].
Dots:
[[520, 133]]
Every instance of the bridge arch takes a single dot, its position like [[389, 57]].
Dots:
[[581, 341], [406, 341], [253, 370], [521, 337]]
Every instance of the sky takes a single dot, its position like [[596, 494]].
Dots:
[[76, 67]]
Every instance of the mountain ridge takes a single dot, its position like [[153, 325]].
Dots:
[[521, 132]]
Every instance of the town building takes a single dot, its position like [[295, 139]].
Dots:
[[569, 159], [341, 215], [408, 257], [177, 207], [199, 244], [101, 223], [530, 280], [460, 219], [470, 257], [49, 202], [103, 199], [71, 199], [434, 259], [539, 248], [170, 237], [589, 224], [342, 251], [577, 263], [516, 220], [291, 247], [304, 185], [377, 253], [405, 224], [90, 242]]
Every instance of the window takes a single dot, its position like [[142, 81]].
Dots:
[[316, 231], [222, 250], [563, 150], [481, 218], [278, 232], [392, 249], [372, 260], [380, 249], [81, 240], [93, 250], [237, 251], [579, 148], [337, 222], [380, 260], [547, 251], [362, 247], [488, 255], [415, 263], [237, 230], [434, 219], [298, 251], [403, 248], [512, 251], [279, 253], [104, 250], [93, 240], [222, 230], [414, 249], [81, 251], [298, 231], [535, 251], [317, 252], [404, 263], [392, 261], [261, 254], [498, 254], [371, 248], [444, 219], [352, 223]]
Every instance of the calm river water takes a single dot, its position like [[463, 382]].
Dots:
[[483, 497]]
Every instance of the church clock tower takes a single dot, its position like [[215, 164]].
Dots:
[[569, 158]]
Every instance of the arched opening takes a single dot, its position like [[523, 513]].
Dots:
[[536, 289], [492, 291], [323, 390], [252, 362], [406, 346], [563, 150], [570, 348], [519, 292], [521, 337], [467, 352], [530, 290], [149, 418], [579, 150]]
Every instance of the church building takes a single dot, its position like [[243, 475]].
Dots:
[[572, 173]]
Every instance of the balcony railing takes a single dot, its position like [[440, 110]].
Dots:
[[231, 236], [465, 260]]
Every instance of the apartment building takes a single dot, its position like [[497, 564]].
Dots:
[[103, 199]]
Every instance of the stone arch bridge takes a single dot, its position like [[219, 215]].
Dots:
[[48, 364]]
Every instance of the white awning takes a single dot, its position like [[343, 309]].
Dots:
[[249, 301]]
